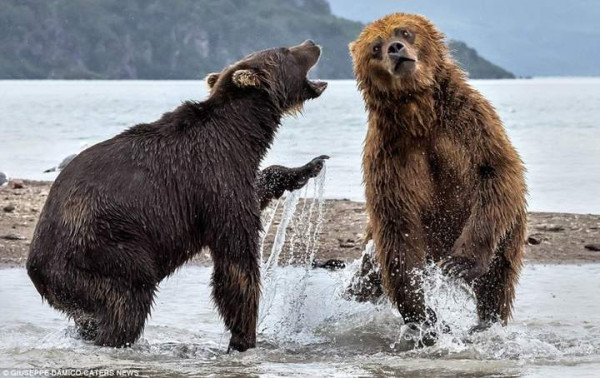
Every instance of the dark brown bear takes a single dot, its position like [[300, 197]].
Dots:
[[129, 211], [443, 182]]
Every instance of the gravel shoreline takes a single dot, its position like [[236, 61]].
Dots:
[[553, 238]]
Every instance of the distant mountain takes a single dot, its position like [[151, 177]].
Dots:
[[155, 39], [476, 66], [529, 38], [177, 39]]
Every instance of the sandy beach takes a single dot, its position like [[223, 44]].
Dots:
[[553, 238]]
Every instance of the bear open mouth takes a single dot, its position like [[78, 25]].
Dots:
[[400, 61], [404, 59], [308, 54], [317, 86]]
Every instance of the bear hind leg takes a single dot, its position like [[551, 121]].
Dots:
[[75, 306], [121, 321], [495, 290], [236, 292], [236, 288], [86, 324]]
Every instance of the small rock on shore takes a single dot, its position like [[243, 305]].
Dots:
[[555, 237]]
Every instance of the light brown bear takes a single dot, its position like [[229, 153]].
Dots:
[[443, 182]]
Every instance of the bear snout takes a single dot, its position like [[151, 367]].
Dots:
[[307, 53]]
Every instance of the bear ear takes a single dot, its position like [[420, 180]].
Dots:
[[352, 46], [246, 78], [211, 79]]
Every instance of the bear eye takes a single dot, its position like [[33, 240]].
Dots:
[[376, 49], [405, 34]]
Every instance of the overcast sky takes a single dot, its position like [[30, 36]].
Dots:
[[528, 37]]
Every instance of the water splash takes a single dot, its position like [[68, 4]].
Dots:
[[454, 306], [304, 239], [349, 338], [291, 322], [267, 217], [313, 245], [269, 275], [289, 207]]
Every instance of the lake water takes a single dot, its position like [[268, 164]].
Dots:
[[308, 329], [554, 123]]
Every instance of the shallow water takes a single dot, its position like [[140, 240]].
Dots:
[[554, 123], [306, 327], [315, 332]]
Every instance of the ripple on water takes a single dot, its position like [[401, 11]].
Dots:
[[326, 334]]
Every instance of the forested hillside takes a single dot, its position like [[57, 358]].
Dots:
[[154, 39]]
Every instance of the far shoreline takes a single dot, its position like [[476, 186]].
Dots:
[[518, 78], [553, 238]]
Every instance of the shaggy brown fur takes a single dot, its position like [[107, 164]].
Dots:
[[127, 212], [443, 182]]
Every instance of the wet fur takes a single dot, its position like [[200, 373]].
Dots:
[[274, 180], [127, 212], [443, 182]]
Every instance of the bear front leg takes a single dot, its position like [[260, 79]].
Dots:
[[499, 203], [236, 286], [495, 290], [400, 252], [273, 181], [366, 284]]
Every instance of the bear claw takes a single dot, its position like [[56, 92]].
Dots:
[[240, 344], [316, 164], [308, 171]]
